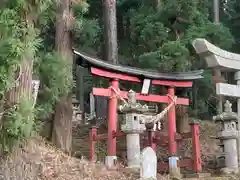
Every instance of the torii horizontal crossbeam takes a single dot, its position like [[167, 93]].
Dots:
[[140, 97]]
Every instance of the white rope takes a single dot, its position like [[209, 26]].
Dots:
[[164, 112], [118, 95], [150, 119]]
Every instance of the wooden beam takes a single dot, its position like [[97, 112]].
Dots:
[[140, 97]]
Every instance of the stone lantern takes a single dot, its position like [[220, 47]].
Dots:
[[133, 127], [228, 136]]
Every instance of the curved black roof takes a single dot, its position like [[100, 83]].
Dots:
[[88, 61]]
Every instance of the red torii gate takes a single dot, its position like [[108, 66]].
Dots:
[[171, 80]]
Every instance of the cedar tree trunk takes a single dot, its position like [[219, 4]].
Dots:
[[62, 125], [110, 31]]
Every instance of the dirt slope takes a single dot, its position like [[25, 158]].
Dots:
[[37, 160]]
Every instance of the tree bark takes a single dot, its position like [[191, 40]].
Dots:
[[182, 116], [23, 87], [156, 3], [23, 76], [62, 124], [161, 106], [110, 31], [182, 119], [217, 73]]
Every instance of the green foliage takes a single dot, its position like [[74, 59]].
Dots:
[[147, 32], [177, 56], [230, 16], [11, 47], [173, 52], [80, 9], [86, 32], [215, 33], [204, 86], [17, 40], [156, 42], [26, 6], [22, 22], [18, 124], [55, 76], [54, 72]]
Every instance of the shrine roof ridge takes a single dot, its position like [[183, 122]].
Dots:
[[215, 56], [88, 61]]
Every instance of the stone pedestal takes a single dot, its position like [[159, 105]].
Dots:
[[110, 161], [133, 150], [174, 169], [231, 156], [133, 132]]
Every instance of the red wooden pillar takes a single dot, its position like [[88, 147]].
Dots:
[[172, 144], [197, 163], [92, 143], [112, 119]]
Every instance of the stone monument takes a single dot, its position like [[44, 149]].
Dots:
[[133, 127], [225, 61], [228, 136], [148, 168]]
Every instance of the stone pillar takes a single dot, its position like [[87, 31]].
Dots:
[[237, 78], [229, 135], [133, 150], [230, 150], [133, 127]]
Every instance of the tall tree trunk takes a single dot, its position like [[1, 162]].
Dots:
[[161, 106], [156, 3], [23, 87], [182, 115], [217, 72], [80, 90], [182, 119], [110, 31], [62, 125]]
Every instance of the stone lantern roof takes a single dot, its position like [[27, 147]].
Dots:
[[132, 106], [227, 115]]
